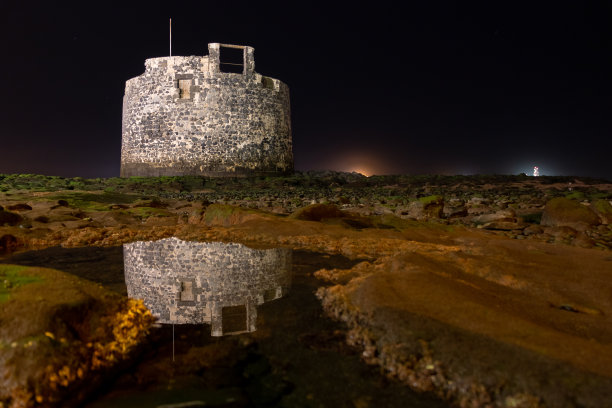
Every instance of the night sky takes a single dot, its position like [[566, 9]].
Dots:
[[432, 88]]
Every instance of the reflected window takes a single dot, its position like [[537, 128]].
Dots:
[[187, 291], [234, 319]]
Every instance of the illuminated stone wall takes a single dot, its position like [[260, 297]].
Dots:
[[184, 116], [192, 282]]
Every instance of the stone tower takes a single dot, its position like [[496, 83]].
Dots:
[[206, 115], [218, 283]]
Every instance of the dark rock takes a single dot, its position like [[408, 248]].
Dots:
[[9, 218], [503, 225], [19, 207], [455, 208], [9, 243], [533, 229]]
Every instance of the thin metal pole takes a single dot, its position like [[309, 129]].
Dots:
[[173, 342], [171, 55]]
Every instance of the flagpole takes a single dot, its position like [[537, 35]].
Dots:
[[170, 37]]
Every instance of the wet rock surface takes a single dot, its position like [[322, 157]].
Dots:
[[61, 336], [297, 357], [482, 303]]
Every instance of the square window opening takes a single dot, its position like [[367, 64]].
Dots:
[[234, 319], [187, 291], [231, 60], [184, 86]]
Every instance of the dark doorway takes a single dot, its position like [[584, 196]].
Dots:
[[234, 319]]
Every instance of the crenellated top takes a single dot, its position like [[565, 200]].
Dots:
[[221, 58]]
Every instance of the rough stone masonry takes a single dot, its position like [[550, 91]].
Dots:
[[203, 115], [206, 282]]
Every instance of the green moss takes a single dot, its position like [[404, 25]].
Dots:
[[146, 212], [95, 202], [602, 207], [431, 199], [219, 212], [403, 224], [575, 195], [12, 278]]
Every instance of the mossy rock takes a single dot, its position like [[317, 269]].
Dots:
[[562, 211], [61, 335], [603, 209], [143, 212], [317, 212], [432, 199], [227, 215], [427, 207]]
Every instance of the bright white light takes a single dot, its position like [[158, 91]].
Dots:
[[536, 171]]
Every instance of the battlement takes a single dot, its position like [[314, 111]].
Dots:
[[206, 115]]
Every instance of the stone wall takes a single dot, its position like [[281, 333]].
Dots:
[[193, 282], [184, 116]]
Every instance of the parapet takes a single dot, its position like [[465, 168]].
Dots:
[[207, 115]]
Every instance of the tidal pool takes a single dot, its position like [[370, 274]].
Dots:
[[297, 357]]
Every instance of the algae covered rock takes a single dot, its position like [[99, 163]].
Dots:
[[426, 207], [562, 211], [227, 215], [61, 335], [603, 208]]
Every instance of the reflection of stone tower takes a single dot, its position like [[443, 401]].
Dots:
[[206, 115], [213, 282]]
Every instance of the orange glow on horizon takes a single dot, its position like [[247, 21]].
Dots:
[[367, 164], [362, 171]]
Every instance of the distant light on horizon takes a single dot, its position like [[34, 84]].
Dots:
[[536, 171], [361, 171]]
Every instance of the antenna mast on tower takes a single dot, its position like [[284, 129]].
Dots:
[[170, 37]]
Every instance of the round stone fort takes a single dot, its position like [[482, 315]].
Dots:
[[207, 115], [218, 283]]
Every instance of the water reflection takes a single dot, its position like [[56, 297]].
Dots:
[[206, 282]]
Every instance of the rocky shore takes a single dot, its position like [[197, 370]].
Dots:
[[486, 291]]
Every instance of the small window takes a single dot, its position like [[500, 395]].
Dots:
[[234, 319], [184, 86], [231, 60], [187, 291]]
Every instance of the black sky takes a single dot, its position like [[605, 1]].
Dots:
[[433, 87]]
